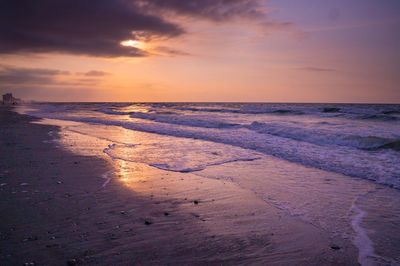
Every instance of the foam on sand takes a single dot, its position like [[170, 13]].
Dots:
[[362, 241]]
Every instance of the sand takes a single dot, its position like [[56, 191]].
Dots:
[[56, 209]]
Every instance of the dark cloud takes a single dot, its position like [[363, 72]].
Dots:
[[222, 11], [48, 84], [218, 10], [42, 93], [76, 26], [11, 76], [96, 28]]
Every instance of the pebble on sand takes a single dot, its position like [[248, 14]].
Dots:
[[335, 247], [31, 238], [71, 262]]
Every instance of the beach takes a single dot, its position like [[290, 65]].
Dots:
[[76, 194], [199, 132]]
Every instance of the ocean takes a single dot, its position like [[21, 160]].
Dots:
[[333, 167], [356, 140]]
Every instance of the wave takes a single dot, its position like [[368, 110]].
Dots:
[[350, 111], [346, 111], [210, 110], [197, 168], [294, 109], [330, 110], [312, 135], [391, 112], [244, 110], [394, 145], [382, 169], [379, 117], [325, 137], [370, 157], [183, 120], [190, 159], [112, 111], [284, 112]]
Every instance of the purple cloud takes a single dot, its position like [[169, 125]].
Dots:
[[96, 28]]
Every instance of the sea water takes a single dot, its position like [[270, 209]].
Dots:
[[336, 166]]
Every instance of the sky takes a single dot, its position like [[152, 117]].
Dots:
[[201, 50]]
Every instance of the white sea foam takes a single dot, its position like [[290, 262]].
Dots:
[[328, 136], [366, 252], [107, 178], [183, 120], [188, 157]]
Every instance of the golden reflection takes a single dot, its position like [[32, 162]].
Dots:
[[135, 108], [135, 176], [122, 172], [130, 174]]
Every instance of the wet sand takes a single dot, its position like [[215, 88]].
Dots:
[[57, 210]]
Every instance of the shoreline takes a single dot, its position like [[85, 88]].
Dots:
[[57, 211], [67, 214]]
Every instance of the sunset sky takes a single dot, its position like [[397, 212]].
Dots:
[[201, 50]]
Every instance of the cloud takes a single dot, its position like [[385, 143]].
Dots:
[[12, 76], [95, 73], [217, 10], [78, 27], [221, 11], [96, 28], [163, 50], [317, 69], [49, 84]]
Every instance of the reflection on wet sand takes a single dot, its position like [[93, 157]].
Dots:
[[130, 175]]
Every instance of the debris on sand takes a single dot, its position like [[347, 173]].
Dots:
[[335, 247], [71, 262]]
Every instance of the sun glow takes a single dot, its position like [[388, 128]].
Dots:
[[133, 43]]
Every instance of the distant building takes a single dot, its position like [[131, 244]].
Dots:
[[8, 98]]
